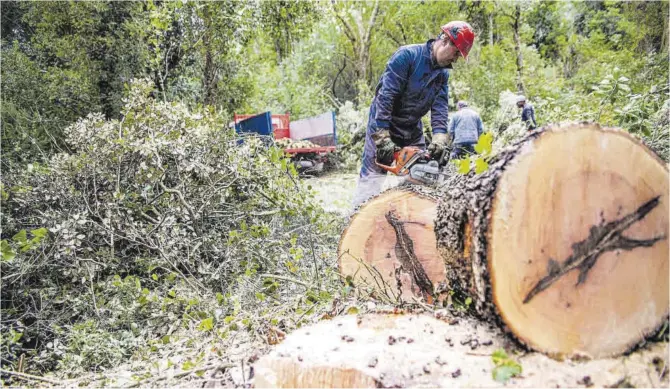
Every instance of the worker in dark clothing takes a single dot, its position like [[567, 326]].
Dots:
[[414, 82], [527, 114], [465, 128]]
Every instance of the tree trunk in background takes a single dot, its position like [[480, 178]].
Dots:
[[516, 25], [664, 40], [491, 29], [364, 54], [209, 79], [563, 241]]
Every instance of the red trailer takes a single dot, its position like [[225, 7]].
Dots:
[[319, 130]]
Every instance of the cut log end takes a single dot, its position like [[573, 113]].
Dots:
[[578, 242], [390, 246]]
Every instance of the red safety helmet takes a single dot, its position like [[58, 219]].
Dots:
[[461, 35]]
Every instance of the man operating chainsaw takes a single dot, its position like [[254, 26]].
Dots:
[[414, 82]]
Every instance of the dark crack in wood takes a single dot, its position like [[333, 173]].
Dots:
[[602, 238], [404, 251]]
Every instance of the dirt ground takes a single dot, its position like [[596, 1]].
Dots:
[[336, 191]]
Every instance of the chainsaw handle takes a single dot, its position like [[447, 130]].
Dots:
[[392, 169]]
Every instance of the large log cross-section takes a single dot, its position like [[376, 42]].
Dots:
[[562, 241]]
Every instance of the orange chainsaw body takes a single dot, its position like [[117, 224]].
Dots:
[[417, 165], [403, 160]]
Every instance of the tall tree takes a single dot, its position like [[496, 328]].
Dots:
[[358, 28], [287, 21]]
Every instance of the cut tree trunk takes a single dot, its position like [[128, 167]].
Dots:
[[563, 240], [390, 247]]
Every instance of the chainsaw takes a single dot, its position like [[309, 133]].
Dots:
[[417, 166]]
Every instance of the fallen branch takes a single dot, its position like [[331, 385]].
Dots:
[[278, 277], [215, 366], [31, 377]]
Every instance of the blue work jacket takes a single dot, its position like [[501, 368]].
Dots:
[[411, 85]]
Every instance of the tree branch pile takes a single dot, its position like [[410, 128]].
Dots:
[[163, 219]]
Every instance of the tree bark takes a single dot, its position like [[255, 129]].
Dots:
[[516, 25], [210, 75]]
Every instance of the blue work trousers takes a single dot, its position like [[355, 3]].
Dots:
[[462, 150]]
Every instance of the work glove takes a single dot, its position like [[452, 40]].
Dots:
[[437, 146], [385, 146]]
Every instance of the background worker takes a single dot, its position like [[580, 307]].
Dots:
[[465, 128], [527, 113]]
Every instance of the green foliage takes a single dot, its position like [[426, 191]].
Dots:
[[145, 221], [505, 367], [483, 149]]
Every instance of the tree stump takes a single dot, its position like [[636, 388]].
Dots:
[[563, 240], [376, 351], [418, 350], [390, 246]]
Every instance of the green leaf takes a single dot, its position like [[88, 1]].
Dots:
[[505, 367], [260, 296], [219, 298], [499, 356], [504, 373], [16, 336], [7, 252], [20, 237], [352, 311], [206, 324], [481, 166], [463, 165], [40, 232], [484, 143]]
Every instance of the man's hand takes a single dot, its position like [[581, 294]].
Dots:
[[438, 145], [385, 146]]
